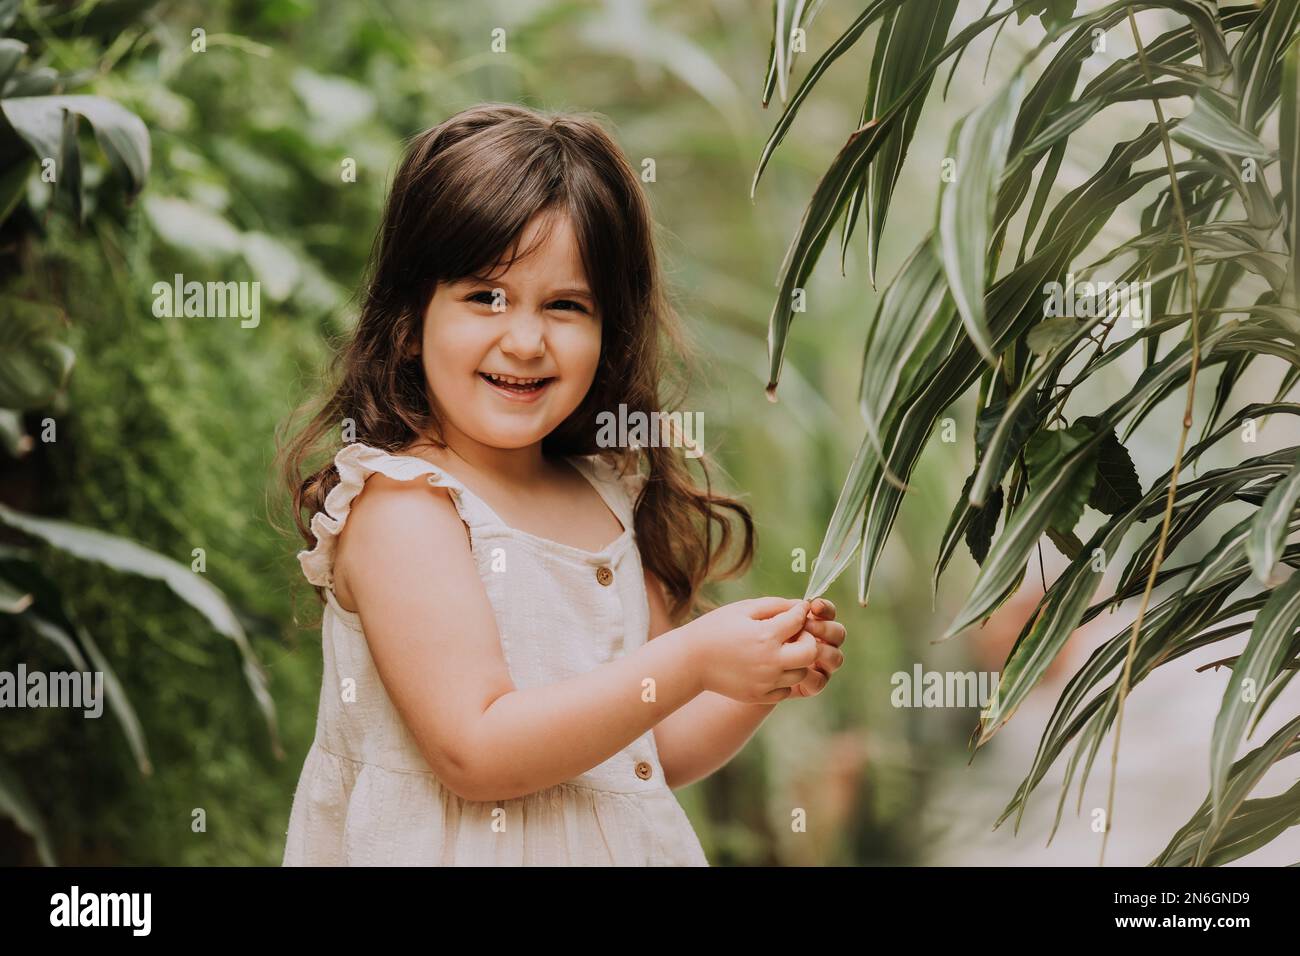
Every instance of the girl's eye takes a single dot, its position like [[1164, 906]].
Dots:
[[484, 297], [567, 304]]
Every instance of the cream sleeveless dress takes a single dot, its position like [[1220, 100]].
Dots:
[[366, 795]]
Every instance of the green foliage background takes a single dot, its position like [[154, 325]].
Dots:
[[167, 431]]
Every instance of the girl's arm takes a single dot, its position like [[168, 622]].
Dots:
[[706, 733], [405, 563]]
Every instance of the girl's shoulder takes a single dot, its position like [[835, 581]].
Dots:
[[356, 464]]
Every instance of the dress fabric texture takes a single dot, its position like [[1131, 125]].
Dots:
[[367, 796]]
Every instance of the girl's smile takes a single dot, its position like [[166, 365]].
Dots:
[[508, 356], [513, 389]]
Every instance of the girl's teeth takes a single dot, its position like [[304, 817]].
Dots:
[[515, 384]]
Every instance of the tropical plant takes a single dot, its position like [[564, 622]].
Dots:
[[42, 169], [1210, 239]]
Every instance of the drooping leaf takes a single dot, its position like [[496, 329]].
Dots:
[[913, 320], [914, 34], [1052, 12], [978, 151], [1051, 333], [1043, 451], [1288, 134], [979, 533], [115, 694], [1117, 487], [1210, 127], [1254, 670], [39, 120], [125, 555], [1245, 774], [17, 805], [1268, 527], [987, 425]]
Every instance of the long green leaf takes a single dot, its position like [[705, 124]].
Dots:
[[1289, 151], [912, 35], [1268, 527], [125, 555], [1255, 668], [978, 151]]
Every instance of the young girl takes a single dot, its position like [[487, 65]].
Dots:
[[508, 678]]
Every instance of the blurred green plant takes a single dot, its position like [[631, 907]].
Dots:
[[273, 129], [1218, 248], [39, 145]]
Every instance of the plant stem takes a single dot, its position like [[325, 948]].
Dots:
[[1159, 555]]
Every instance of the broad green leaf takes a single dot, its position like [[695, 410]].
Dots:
[[1257, 823], [978, 151], [121, 134], [1254, 669], [1268, 527], [1244, 776], [1043, 452], [979, 533], [1117, 487], [1052, 12], [1052, 333], [125, 555], [115, 694]]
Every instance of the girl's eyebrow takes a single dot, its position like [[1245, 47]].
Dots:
[[580, 290]]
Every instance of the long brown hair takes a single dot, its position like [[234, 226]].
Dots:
[[462, 196]]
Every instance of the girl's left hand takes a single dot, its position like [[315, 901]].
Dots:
[[830, 635]]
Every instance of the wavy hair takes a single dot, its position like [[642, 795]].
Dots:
[[460, 200]]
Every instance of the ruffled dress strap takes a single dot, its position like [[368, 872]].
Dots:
[[355, 463]]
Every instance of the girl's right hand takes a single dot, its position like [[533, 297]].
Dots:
[[741, 651]]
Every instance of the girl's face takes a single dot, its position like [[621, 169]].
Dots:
[[537, 320]]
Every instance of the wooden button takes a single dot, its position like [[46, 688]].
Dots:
[[644, 770], [604, 575]]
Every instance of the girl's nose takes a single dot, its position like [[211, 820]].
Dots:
[[526, 335]]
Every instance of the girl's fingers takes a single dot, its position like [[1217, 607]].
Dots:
[[823, 609], [777, 695], [791, 677], [818, 680], [800, 653], [761, 609], [829, 657], [789, 622], [832, 632]]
